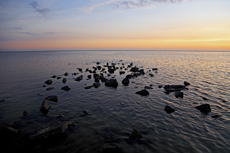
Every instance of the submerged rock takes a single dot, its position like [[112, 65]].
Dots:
[[143, 92], [25, 113], [48, 82], [125, 81], [160, 86], [49, 88], [111, 83], [186, 83], [147, 87], [89, 76], [135, 134], [204, 108], [216, 116], [66, 88], [88, 87], [52, 98], [45, 107], [86, 112], [79, 78], [168, 109], [179, 94], [96, 84], [64, 80], [174, 87], [54, 76], [58, 78]]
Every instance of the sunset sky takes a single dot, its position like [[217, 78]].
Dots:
[[114, 24]]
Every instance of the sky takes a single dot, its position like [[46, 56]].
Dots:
[[114, 24]]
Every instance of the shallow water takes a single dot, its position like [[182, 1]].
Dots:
[[114, 113]]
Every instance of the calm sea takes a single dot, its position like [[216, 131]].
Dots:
[[115, 112]]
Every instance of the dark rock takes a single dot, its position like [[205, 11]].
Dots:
[[79, 78], [122, 72], [147, 87], [160, 86], [54, 76], [103, 79], [111, 83], [204, 98], [186, 83], [99, 67], [88, 87], [151, 75], [111, 148], [66, 74], [2, 100], [25, 113], [97, 79], [50, 131], [154, 69], [129, 76], [52, 98], [179, 94], [134, 69], [111, 70], [58, 78], [98, 63], [80, 69], [45, 107], [44, 86], [89, 76], [49, 88], [125, 81], [66, 88], [216, 116], [141, 71], [96, 84], [168, 109], [174, 87], [86, 112], [135, 134], [143, 92], [48, 82], [224, 101], [204, 108], [64, 80]]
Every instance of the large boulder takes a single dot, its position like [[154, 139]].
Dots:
[[45, 107], [111, 83], [143, 92], [204, 108], [168, 109], [52, 98]]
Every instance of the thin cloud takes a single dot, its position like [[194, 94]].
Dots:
[[38, 9], [28, 33], [50, 33]]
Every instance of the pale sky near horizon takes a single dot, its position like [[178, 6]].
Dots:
[[114, 24]]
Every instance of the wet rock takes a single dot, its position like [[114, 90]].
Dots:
[[134, 69], [141, 71], [64, 80], [98, 63], [2, 100], [151, 75], [54, 76], [79, 78], [48, 82], [80, 69], [89, 76], [216, 116], [168, 109], [45, 107], [147, 87], [86, 112], [174, 87], [52, 98], [25, 113], [49, 88], [204, 98], [224, 101], [125, 81], [50, 131], [66, 74], [204, 108], [88, 87], [58, 78], [129, 76], [44, 86], [186, 83], [160, 86], [111, 70], [122, 72], [111, 83], [99, 67], [179, 94], [135, 134], [66, 88], [103, 79], [143, 92], [96, 84], [154, 69]]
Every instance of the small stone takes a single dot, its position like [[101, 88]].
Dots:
[[66, 74], [58, 78], [88, 87], [45, 107], [89, 76], [2, 100], [186, 83], [52, 98], [154, 69], [125, 81], [49, 88], [204, 98], [122, 72], [54, 76], [147, 87], [111, 83], [25, 113], [216, 116], [96, 84], [48, 82], [64, 80], [168, 109], [160, 86], [179, 94], [151, 75], [204, 108], [143, 92], [135, 134], [44, 86], [66, 88], [79, 78], [86, 112]]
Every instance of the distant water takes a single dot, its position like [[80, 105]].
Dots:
[[114, 113]]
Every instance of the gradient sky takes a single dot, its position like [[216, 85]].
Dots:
[[114, 24]]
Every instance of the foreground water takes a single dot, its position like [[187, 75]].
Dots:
[[115, 112]]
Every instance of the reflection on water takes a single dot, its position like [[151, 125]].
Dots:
[[114, 113]]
